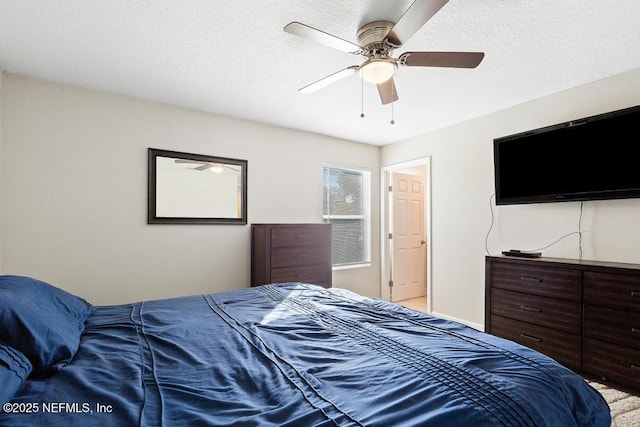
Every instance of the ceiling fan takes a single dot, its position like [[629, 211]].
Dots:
[[376, 42], [214, 167]]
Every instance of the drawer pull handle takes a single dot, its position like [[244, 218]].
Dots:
[[635, 331], [530, 279], [635, 294], [301, 274], [301, 237], [529, 337], [301, 256], [635, 367], [529, 308]]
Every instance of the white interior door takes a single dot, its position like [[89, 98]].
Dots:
[[408, 237]]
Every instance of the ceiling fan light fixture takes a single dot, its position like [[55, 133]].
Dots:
[[217, 168], [378, 70]]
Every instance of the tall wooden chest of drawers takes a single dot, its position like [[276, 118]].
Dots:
[[584, 314], [291, 253]]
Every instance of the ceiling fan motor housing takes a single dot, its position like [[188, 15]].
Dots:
[[372, 37], [378, 67]]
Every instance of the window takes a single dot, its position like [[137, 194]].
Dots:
[[346, 205]]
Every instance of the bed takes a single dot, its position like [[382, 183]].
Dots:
[[289, 354]]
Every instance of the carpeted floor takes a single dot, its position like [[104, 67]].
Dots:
[[625, 407]]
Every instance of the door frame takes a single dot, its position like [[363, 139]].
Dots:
[[385, 208]]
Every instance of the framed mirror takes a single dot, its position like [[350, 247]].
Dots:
[[196, 189]]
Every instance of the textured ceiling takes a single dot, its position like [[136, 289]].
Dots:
[[233, 58]]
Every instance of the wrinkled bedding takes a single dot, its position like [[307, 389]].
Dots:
[[299, 355]]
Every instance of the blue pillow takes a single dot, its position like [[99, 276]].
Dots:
[[14, 369], [41, 321]]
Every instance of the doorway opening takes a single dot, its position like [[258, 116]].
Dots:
[[405, 235]]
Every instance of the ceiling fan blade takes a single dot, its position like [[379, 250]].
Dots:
[[187, 161], [441, 59], [321, 37], [387, 91], [413, 19], [332, 78], [203, 167]]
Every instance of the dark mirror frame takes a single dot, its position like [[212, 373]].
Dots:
[[152, 218]]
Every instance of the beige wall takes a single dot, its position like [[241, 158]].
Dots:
[[462, 185], [74, 191]]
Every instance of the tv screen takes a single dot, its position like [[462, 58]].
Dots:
[[593, 158]]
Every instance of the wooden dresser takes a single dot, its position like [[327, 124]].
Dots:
[[291, 253], [584, 314]]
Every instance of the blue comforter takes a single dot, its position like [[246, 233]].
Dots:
[[298, 355]]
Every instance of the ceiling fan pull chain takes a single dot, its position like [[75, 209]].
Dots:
[[361, 98], [392, 104]]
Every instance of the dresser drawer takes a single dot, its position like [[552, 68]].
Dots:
[[544, 281], [561, 346], [542, 311], [613, 362], [613, 290], [299, 236], [316, 273], [615, 326], [295, 256]]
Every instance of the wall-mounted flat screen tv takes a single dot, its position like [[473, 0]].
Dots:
[[592, 158]]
